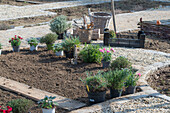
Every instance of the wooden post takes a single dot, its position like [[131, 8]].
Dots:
[[142, 40], [113, 14]]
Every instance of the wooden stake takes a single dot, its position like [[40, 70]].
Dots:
[[113, 14]]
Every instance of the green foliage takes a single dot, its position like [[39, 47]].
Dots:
[[112, 34], [50, 38], [47, 102], [20, 105], [16, 41], [121, 62], [33, 42], [117, 78], [107, 53], [0, 46], [90, 53], [59, 24], [69, 43], [132, 78], [58, 47], [95, 83]]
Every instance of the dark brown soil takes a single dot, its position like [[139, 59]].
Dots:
[[13, 2], [44, 70], [78, 12], [160, 80], [6, 96]]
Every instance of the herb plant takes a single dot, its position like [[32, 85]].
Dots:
[[117, 78], [107, 54], [47, 102], [16, 41], [90, 53], [69, 43], [20, 105], [95, 83], [58, 47], [112, 34], [50, 38], [121, 62], [59, 24], [33, 42]]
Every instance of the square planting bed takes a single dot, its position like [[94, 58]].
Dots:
[[44, 70]]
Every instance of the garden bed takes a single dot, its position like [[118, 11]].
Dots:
[[6, 96], [44, 70], [77, 12], [160, 80]]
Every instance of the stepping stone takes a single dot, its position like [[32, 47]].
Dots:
[[37, 94]]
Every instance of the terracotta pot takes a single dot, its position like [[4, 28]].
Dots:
[[48, 110], [32, 48], [16, 48], [96, 97]]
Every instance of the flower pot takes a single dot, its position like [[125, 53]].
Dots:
[[16, 48], [50, 46], [61, 36], [59, 53], [115, 93], [85, 35], [32, 48], [0, 51], [48, 110], [129, 90], [96, 97], [69, 54], [106, 64]]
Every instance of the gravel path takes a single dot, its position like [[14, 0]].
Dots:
[[142, 105]]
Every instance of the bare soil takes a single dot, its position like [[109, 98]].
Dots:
[[160, 80], [13, 2], [44, 70], [6, 96], [78, 12]]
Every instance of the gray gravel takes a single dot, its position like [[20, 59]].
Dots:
[[142, 105]]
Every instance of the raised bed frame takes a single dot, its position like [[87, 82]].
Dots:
[[125, 40]]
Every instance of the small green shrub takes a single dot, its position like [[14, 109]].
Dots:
[[20, 105], [90, 53], [47, 102], [121, 62], [50, 38], [58, 47], [95, 83], [69, 43], [116, 79], [112, 34], [33, 41], [59, 24]]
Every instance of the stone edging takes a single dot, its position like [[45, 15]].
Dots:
[[146, 91]]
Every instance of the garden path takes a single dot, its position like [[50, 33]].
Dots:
[[124, 22]]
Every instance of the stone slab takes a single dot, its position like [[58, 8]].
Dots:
[[37, 94]]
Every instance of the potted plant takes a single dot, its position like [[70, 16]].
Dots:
[[130, 83], [20, 105], [68, 45], [33, 42], [58, 49], [49, 40], [116, 81], [47, 104], [8, 110], [59, 25], [0, 48], [15, 43], [96, 86], [107, 56]]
